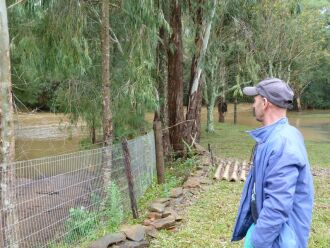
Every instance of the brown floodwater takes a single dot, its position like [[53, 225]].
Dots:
[[314, 124], [47, 134]]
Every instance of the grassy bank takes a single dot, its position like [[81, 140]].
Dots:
[[209, 222]]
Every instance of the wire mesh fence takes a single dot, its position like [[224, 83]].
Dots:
[[48, 190]]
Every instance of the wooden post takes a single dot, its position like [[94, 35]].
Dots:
[[9, 227], [159, 152], [128, 172], [211, 153]]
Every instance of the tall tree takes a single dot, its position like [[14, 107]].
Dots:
[[175, 78], [161, 76], [106, 110], [203, 31], [8, 213]]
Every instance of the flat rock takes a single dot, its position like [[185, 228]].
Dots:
[[165, 201], [107, 240], [205, 181], [164, 222], [147, 222], [151, 231], [171, 212], [134, 233], [176, 192], [199, 173], [192, 182], [131, 244], [157, 207], [199, 149], [155, 215]]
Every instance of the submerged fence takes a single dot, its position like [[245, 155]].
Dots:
[[47, 188]]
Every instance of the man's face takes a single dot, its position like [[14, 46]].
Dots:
[[259, 107]]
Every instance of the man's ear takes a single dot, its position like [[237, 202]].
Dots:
[[266, 102]]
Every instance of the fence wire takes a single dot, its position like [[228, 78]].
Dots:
[[47, 188]]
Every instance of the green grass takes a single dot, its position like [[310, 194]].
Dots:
[[175, 173], [209, 222]]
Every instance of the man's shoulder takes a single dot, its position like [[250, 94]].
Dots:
[[285, 136]]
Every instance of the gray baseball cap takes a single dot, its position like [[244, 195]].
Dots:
[[275, 90]]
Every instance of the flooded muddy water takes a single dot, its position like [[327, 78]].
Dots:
[[47, 134], [314, 124]]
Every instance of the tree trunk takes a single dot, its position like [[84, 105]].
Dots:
[[235, 110], [196, 112], [298, 100], [9, 227], [106, 110], [210, 108], [162, 82], [175, 79], [196, 85], [222, 105], [93, 135], [220, 110]]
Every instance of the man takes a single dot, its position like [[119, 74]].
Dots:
[[277, 199]]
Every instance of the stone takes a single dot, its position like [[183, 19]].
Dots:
[[205, 181], [199, 173], [147, 222], [165, 201], [192, 182], [164, 222], [171, 212], [157, 207], [107, 240], [151, 231], [172, 229], [131, 244], [199, 149], [176, 192], [134, 233], [154, 215]]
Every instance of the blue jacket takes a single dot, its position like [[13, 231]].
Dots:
[[284, 187]]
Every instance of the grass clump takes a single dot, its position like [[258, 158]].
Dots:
[[175, 174], [84, 225]]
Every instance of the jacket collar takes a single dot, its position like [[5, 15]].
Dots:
[[261, 134]]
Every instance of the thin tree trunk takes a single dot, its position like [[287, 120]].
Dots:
[[221, 114], [222, 105], [162, 82], [175, 78], [196, 129], [93, 135], [298, 100], [106, 114], [210, 109], [9, 222], [196, 86], [235, 110]]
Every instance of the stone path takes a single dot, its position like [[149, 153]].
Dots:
[[165, 213]]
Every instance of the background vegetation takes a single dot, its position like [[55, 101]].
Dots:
[[56, 53]]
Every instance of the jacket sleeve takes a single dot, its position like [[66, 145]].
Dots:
[[279, 188]]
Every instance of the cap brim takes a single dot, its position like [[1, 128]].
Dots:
[[250, 91]]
